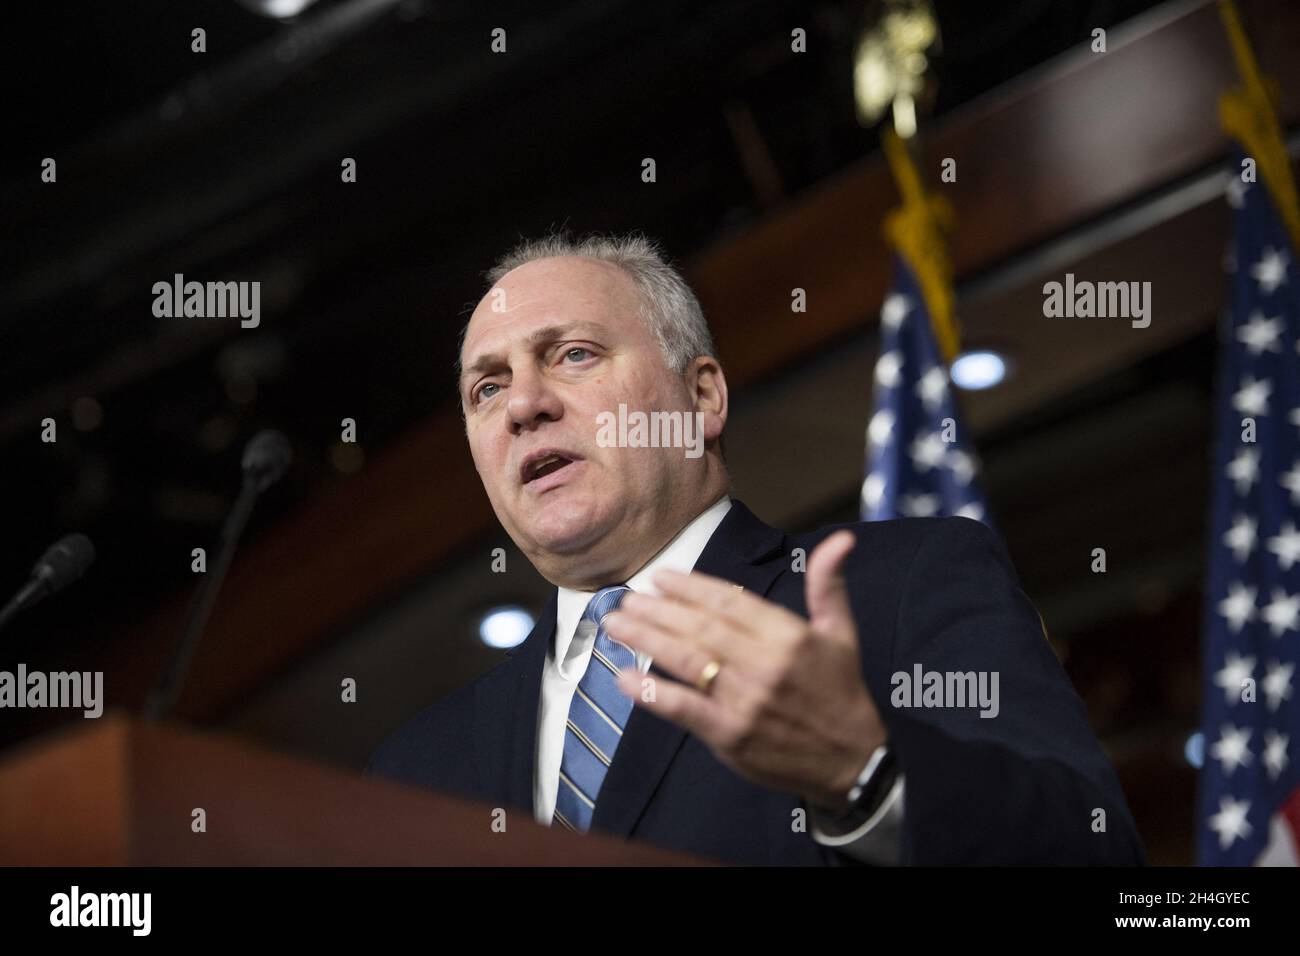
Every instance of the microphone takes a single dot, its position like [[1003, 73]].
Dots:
[[63, 562], [266, 458]]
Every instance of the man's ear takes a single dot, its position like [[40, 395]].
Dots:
[[707, 386]]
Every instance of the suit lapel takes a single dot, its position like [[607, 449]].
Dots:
[[734, 552], [505, 745]]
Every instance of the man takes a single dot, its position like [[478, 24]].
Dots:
[[749, 711]]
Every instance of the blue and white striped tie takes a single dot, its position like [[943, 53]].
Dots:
[[596, 718]]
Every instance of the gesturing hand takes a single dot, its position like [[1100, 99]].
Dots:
[[787, 708]]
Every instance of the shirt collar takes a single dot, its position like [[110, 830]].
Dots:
[[679, 554]]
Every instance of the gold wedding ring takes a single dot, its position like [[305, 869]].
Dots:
[[707, 676]]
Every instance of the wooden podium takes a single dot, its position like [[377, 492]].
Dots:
[[122, 792]]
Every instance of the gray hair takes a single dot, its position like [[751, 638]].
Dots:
[[668, 303]]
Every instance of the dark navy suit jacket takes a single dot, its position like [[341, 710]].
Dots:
[[1030, 785]]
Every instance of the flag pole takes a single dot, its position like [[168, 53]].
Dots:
[[1248, 114], [917, 231]]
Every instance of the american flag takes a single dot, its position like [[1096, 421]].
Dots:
[[1250, 782], [918, 458]]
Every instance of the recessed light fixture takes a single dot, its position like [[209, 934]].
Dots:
[[280, 9], [505, 626], [979, 369]]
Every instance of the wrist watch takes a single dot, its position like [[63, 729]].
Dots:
[[872, 785]]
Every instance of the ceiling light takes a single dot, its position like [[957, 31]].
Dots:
[[977, 370], [279, 9], [505, 626]]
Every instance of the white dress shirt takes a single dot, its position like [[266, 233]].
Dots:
[[877, 840]]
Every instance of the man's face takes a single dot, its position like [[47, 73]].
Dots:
[[553, 345]]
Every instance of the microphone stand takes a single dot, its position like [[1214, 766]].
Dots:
[[168, 688], [18, 602]]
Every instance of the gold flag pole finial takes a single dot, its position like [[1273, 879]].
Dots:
[[917, 231], [1248, 114]]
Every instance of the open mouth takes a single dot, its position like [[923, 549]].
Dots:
[[542, 465]]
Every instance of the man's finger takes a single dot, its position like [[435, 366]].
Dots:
[[825, 590], [674, 702], [741, 608], [697, 625], [683, 659]]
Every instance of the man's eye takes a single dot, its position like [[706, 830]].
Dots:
[[577, 354], [483, 390]]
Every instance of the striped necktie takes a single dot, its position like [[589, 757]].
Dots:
[[596, 718]]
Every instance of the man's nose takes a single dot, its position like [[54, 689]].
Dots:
[[532, 400]]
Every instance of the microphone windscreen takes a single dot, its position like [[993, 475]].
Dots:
[[65, 561], [266, 458]]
